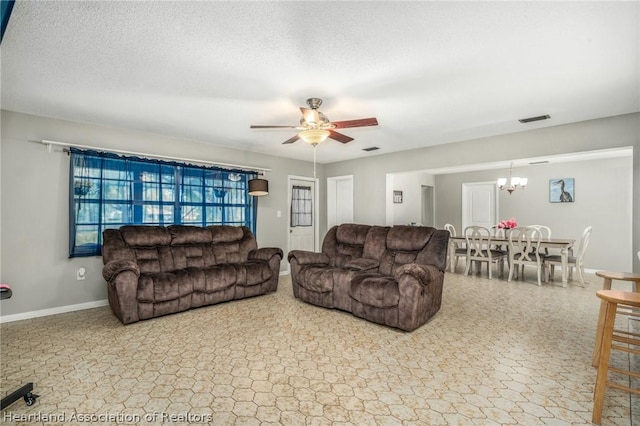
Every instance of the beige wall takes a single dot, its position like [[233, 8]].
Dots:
[[34, 205], [603, 200], [620, 131]]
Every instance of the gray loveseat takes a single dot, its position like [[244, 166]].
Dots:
[[154, 270], [387, 275]]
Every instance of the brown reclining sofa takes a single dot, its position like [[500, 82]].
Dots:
[[387, 275], [155, 270]]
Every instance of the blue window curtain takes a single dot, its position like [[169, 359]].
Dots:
[[107, 190]]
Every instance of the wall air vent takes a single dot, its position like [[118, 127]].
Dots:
[[538, 118], [373, 148], [539, 162]]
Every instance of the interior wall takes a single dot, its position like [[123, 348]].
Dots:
[[34, 206], [602, 133], [602, 200], [410, 210]]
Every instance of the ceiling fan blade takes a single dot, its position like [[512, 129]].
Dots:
[[310, 115], [272, 127], [292, 139], [361, 122], [339, 136]]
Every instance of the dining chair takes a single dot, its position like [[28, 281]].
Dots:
[[458, 249], [576, 262], [545, 232], [524, 250], [478, 239]]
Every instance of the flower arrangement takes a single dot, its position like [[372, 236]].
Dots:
[[508, 224]]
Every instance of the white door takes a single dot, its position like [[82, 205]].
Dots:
[[479, 204], [302, 214], [339, 200]]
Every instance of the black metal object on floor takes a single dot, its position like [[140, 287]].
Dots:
[[26, 391]]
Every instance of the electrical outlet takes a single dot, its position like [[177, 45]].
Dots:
[[81, 273]]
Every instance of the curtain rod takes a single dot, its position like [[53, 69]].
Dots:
[[163, 157]]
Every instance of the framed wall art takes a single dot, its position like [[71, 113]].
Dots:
[[562, 190], [397, 197]]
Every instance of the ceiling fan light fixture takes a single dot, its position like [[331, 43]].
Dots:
[[314, 136]]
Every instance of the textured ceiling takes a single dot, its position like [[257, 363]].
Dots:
[[431, 72]]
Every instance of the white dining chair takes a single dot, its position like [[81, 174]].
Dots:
[[576, 262], [524, 250], [478, 239], [545, 232], [459, 249]]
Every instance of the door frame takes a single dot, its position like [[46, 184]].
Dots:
[[316, 210]]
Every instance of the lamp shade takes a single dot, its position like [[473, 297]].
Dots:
[[258, 187]]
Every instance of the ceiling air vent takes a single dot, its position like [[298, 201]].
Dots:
[[538, 118], [373, 148]]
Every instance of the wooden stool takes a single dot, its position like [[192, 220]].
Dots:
[[611, 300], [609, 276]]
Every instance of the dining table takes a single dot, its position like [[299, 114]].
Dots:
[[564, 244]]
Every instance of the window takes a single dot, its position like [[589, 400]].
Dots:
[[301, 206], [108, 191]]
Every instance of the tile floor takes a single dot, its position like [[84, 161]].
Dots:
[[497, 353]]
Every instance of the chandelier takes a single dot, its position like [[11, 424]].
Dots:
[[513, 183]]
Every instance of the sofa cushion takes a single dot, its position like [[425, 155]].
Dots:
[[225, 233], [145, 236], [316, 278], [376, 242], [153, 288], [361, 264], [154, 259], [183, 234], [352, 234], [196, 256], [375, 290], [408, 238], [228, 253], [217, 278]]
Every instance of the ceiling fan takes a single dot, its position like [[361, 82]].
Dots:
[[315, 127]]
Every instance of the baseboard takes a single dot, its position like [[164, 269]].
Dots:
[[53, 311], [63, 309]]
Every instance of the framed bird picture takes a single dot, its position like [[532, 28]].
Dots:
[[562, 190]]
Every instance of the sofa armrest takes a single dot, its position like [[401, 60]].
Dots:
[[265, 253], [113, 268], [308, 257], [424, 274]]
